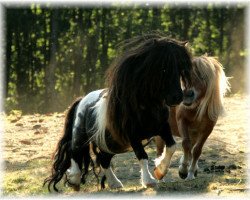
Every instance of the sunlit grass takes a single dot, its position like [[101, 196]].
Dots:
[[28, 181], [28, 163], [25, 181]]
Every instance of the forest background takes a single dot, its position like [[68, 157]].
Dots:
[[54, 55]]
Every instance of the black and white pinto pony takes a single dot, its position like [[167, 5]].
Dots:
[[142, 82]]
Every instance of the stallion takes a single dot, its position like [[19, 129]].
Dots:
[[142, 82], [194, 119]]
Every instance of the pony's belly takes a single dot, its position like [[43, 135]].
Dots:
[[117, 149]]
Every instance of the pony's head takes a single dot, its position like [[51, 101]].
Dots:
[[209, 87], [146, 75], [149, 68]]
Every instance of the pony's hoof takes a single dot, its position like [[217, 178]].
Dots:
[[190, 176], [76, 187], [73, 186], [196, 173], [83, 181], [151, 185], [182, 175], [158, 174], [116, 186]]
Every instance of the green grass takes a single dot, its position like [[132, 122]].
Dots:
[[25, 181]]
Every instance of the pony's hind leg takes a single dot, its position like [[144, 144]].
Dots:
[[86, 162], [104, 159], [74, 173], [162, 163], [79, 154]]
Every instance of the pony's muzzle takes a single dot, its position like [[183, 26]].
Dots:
[[188, 97], [189, 93], [174, 99]]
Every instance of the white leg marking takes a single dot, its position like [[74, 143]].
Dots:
[[74, 173], [146, 177], [184, 163], [112, 180], [191, 171], [163, 162]]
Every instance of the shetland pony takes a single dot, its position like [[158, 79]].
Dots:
[[194, 119], [142, 82]]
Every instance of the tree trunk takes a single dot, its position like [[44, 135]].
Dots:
[[8, 57], [208, 31], [156, 20], [79, 56], [50, 96], [186, 23], [221, 28], [104, 42]]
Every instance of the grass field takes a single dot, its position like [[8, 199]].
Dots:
[[29, 141]]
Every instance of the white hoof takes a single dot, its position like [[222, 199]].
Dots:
[[115, 185], [148, 181], [190, 176]]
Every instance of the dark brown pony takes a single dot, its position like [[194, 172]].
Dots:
[[142, 82], [194, 119]]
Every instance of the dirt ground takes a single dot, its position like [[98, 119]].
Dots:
[[29, 141]]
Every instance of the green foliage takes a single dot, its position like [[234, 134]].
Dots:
[[55, 55]]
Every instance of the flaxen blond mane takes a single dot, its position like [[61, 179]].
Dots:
[[210, 71]]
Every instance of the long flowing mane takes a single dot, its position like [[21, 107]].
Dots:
[[140, 77], [210, 72]]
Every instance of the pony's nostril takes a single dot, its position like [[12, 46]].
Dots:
[[190, 93]]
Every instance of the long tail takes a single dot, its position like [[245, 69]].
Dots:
[[61, 158]]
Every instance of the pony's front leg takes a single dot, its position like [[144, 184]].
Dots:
[[162, 163], [193, 167], [185, 159], [187, 146], [196, 152], [147, 180], [113, 181]]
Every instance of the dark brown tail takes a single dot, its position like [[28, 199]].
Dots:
[[62, 155]]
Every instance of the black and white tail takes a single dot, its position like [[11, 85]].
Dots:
[[62, 155]]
